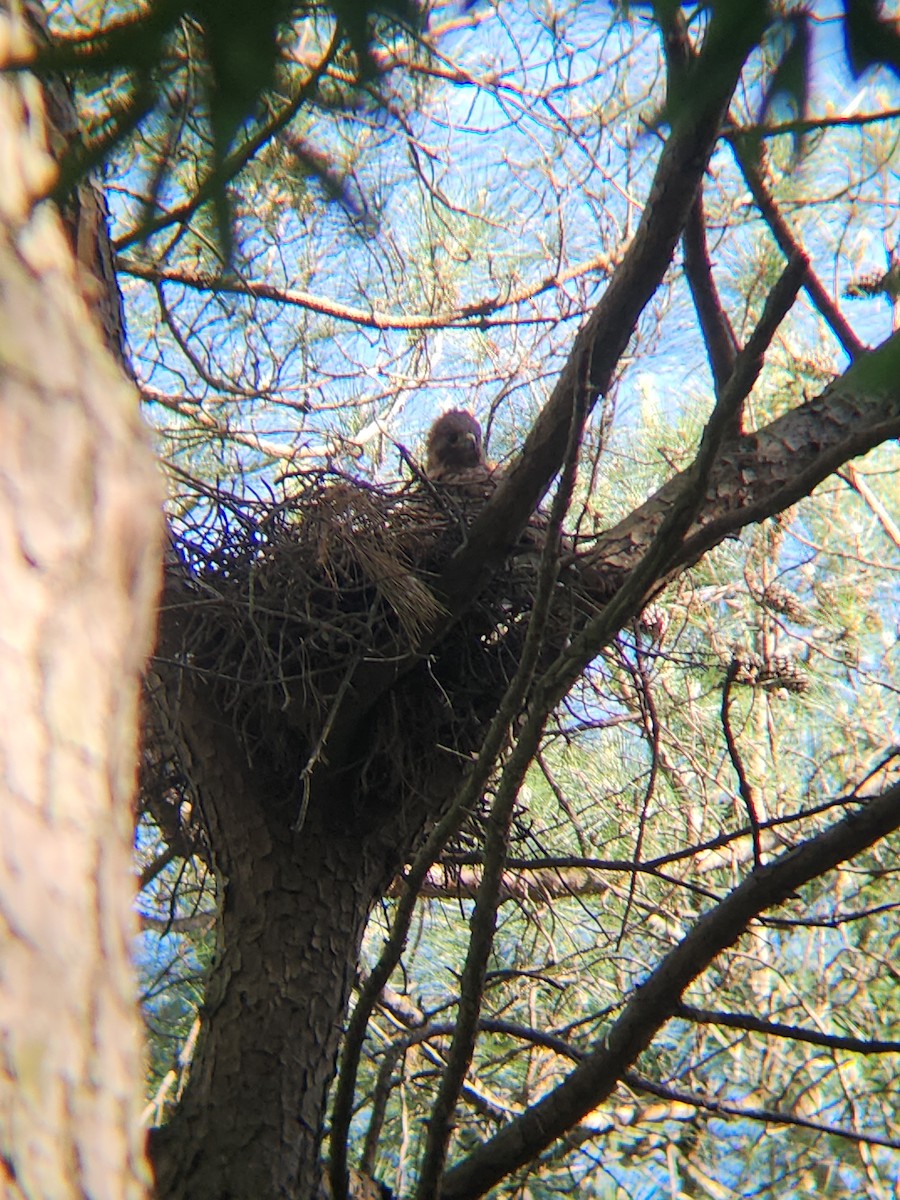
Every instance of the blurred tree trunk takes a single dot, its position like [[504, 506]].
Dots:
[[79, 546]]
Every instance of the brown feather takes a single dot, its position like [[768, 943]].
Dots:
[[455, 453]]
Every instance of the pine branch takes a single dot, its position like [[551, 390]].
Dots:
[[657, 999]]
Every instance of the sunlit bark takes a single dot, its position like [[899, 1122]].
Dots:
[[79, 538]]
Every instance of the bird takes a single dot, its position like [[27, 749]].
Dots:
[[454, 450], [455, 458]]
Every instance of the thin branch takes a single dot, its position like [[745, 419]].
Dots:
[[654, 1002], [721, 343], [476, 315], [815, 124], [194, 411], [159, 864], [181, 340], [652, 731], [736, 761], [852, 477], [523, 883], [651, 865], [484, 915], [202, 922], [769, 1116], [232, 165], [833, 1041], [838, 324]]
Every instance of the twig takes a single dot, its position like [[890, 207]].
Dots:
[[476, 315], [833, 1041], [841, 329], [737, 763], [650, 722], [655, 1001], [769, 1116]]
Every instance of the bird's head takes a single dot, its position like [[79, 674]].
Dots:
[[454, 444]]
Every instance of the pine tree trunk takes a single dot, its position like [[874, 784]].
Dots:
[[292, 908]]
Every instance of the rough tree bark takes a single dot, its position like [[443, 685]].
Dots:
[[78, 535], [79, 550], [293, 904]]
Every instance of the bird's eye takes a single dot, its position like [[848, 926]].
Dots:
[[454, 437]]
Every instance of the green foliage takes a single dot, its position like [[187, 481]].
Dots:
[[238, 52], [784, 33]]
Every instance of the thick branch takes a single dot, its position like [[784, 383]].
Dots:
[[654, 1002], [604, 337], [590, 368], [754, 478], [767, 471]]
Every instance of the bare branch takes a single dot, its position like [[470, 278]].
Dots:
[[852, 477], [767, 471], [655, 1001], [590, 368], [736, 761], [840, 327], [833, 1041], [477, 315], [769, 1116], [721, 344], [815, 124]]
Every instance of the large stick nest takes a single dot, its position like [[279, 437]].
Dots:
[[274, 606]]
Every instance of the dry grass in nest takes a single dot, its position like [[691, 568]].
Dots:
[[273, 607]]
